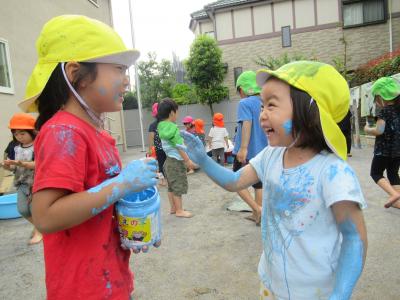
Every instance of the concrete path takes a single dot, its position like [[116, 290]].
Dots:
[[213, 255]]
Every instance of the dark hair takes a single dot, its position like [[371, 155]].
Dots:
[[306, 122], [166, 106], [31, 132], [56, 92]]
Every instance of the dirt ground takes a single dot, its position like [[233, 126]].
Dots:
[[213, 255]]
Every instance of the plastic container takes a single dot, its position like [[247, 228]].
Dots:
[[139, 220], [8, 207]]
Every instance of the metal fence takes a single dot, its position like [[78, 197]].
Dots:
[[197, 111]]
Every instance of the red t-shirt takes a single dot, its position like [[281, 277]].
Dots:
[[86, 261]]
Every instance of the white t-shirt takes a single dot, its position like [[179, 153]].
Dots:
[[301, 241], [218, 135]]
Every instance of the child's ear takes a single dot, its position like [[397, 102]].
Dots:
[[71, 70]]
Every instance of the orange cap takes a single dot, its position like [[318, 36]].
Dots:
[[218, 120], [22, 121], [199, 126]]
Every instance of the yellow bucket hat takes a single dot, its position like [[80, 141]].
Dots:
[[328, 89], [73, 38]]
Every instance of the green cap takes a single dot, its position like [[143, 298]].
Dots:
[[247, 82], [386, 87]]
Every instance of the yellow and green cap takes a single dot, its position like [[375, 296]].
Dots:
[[328, 89], [73, 38], [386, 87], [247, 82]]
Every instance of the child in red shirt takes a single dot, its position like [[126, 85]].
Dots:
[[81, 74]]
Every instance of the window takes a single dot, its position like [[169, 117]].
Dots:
[[236, 73], [357, 13], [6, 80], [210, 34], [286, 37]]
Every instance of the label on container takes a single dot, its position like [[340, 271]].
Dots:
[[136, 230]]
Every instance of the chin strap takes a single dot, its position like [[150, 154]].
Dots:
[[98, 119]]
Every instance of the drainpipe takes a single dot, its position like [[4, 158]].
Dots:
[[390, 29]]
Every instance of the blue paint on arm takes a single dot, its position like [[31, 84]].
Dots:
[[350, 261], [380, 128], [288, 126], [136, 176]]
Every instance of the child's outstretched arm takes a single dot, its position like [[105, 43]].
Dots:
[[350, 222], [59, 209], [229, 180]]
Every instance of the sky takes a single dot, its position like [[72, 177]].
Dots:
[[160, 26]]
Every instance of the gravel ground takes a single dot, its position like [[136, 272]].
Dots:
[[213, 255]]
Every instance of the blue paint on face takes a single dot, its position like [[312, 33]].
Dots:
[[288, 126], [102, 91], [350, 261]]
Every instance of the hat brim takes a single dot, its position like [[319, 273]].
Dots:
[[333, 136], [125, 58], [42, 72]]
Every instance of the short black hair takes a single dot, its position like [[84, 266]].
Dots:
[[166, 106], [306, 122], [31, 132]]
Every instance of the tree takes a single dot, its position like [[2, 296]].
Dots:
[[183, 93], [274, 63], [130, 101], [206, 71], [156, 79]]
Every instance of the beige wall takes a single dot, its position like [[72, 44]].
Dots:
[[327, 11], [20, 24], [283, 13], [206, 26], [395, 5], [323, 44], [242, 22], [223, 23], [262, 19], [304, 10]]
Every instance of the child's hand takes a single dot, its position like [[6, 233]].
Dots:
[[193, 147], [138, 175]]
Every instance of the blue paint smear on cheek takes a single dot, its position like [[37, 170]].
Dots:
[[102, 91], [288, 126]]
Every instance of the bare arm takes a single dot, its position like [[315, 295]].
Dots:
[[229, 180], [244, 144], [58, 209], [151, 140], [350, 221], [377, 130]]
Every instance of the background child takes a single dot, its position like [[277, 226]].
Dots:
[[313, 232], [218, 138], [177, 160], [386, 91], [23, 129], [78, 175], [188, 122], [199, 130], [154, 141]]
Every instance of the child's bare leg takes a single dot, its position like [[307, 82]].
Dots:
[[36, 235], [171, 203], [248, 198], [180, 212]]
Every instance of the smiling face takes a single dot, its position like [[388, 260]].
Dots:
[[105, 93], [277, 113]]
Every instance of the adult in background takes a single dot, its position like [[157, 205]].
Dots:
[[250, 139], [154, 141]]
